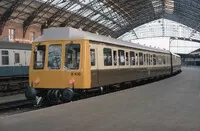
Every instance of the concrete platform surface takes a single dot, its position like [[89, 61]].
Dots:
[[172, 104], [12, 98]]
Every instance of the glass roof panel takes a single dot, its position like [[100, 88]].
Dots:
[[100, 9], [158, 33]]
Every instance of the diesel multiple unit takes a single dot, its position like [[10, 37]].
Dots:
[[65, 61]]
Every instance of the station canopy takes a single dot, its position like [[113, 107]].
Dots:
[[106, 17]]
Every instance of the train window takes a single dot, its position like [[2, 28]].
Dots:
[[115, 57], [136, 59], [144, 59], [141, 58], [132, 58], [17, 59], [107, 57], [159, 60], [149, 56], [154, 59], [39, 56], [121, 57], [127, 58], [72, 56], [151, 59], [147, 59], [5, 57], [54, 56], [164, 60], [92, 57]]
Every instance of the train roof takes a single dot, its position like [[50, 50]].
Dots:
[[175, 54], [14, 45], [69, 33]]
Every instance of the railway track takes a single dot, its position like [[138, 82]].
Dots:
[[13, 106], [20, 106], [12, 86]]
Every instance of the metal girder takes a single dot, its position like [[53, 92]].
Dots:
[[23, 9], [57, 14], [83, 20], [47, 10], [30, 19], [5, 17], [78, 13], [98, 12]]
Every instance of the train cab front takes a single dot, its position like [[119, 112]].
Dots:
[[56, 70]]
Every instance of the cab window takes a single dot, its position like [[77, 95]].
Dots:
[[72, 56], [39, 56], [54, 56]]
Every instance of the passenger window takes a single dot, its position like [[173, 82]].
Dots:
[[136, 59], [164, 60], [149, 56], [72, 56], [154, 59], [132, 58], [107, 57], [159, 60], [121, 57], [115, 57], [92, 57], [54, 56], [147, 59], [17, 58], [5, 57], [127, 59], [141, 58], [151, 60], [144, 59]]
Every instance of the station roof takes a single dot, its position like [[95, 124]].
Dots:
[[107, 17]]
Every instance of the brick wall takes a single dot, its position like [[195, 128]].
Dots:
[[18, 27]]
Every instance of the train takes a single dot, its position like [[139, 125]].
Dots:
[[14, 65], [68, 61]]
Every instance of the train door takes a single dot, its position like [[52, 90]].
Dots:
[[94, 67]]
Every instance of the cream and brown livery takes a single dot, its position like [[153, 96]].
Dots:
[[66, 60]]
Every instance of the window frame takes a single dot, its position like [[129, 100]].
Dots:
[[92, 49], [17, 59], [119, 58], [127, 58], [141, 62], [32, 35], [104, 60], [35, 57], [132, 64], [115, 61], [3, 56], [66, 60], [11, 34]]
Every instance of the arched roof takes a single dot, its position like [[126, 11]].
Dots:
[[107, 17]]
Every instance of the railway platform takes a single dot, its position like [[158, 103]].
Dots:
[[171, 104]]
